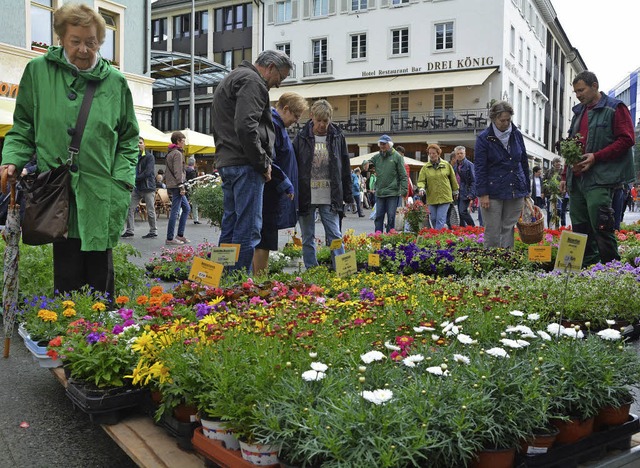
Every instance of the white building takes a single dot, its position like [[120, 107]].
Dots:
[[428, 70], [627, 91]]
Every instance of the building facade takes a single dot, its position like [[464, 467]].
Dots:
[[126, 44], [427, 71], [627, 91]]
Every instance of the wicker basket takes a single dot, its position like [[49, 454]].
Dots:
[[532, 233]]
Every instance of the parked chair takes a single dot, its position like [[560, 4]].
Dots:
[[163, 202], [411, 123], [379, 124], [425, 122]]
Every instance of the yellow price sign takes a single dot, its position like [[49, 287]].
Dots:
[[346, 264], [374, 260], [224, 255], [335, 244], [571, 251], [376, 245], [234, 246], [539, 253], [205, 272]]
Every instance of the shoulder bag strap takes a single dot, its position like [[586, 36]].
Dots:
[[74, 147]]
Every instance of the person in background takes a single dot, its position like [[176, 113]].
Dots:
[[537, 189], [371, 186], [438, 182], [555, 171], [633, 196], [190, 174], [160, 179], [175, 179], [391, 182], [465, 176], [145, 189], [356, 183], [51, 90], [324, 179], [502, 176], [607, 134], [280, 193], [244, 135], [402, 151]]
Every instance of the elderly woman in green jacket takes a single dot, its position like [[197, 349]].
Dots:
[[438, 179], [51, 92]]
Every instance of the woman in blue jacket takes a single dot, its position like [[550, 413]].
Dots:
[[502, 176]]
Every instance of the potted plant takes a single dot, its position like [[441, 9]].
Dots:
[[415, 214], [39, 46], [206, 192]]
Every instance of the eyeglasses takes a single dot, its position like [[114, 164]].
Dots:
[[90, 44]]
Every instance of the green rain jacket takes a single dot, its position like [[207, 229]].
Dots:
[[47, 105]]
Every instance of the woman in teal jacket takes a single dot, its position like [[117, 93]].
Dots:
[[51, 92]]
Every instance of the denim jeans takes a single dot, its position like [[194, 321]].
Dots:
[[386, 206], [330, 222], [177, 201], [242, 189], [438, 214]]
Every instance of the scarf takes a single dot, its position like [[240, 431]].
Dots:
[[503, 136]]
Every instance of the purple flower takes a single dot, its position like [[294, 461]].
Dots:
[[94, 337], [117, 329], [367, 294], [202, 310], [128, 323], [125, 314]]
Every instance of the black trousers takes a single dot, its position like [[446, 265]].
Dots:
[[73, 268]]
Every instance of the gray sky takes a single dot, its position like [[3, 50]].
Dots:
[[607, 34]]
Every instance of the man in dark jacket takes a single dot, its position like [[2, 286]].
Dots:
[[145, 189], [324, 179], [465, 173], [244, 135], [607, 134]]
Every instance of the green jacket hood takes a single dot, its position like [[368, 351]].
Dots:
[[100, 72]]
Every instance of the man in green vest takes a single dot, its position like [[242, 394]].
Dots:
[[607, 135]]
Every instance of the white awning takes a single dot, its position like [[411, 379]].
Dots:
[[387, 84]]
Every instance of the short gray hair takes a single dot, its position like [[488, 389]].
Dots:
[[322, 109], [463, 148], [498, 108], [277, 58]]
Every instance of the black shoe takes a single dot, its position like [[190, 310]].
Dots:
[[197, 222], [151, 235], [127, 234], [361, 216]]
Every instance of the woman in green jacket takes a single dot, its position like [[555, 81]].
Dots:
[[103, 173], [438, 179]]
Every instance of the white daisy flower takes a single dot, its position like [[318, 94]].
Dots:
[[313, 355], [465, 339], [411, 361], [392, 347], [610, 334], [533, 317], [372, 356], [461, 358], [544, 335], [611, 322], [461, 319], [378, 397], [435, 337], [497, 352], [423, 329], [311, 375], [573, 333], [510, 343], [555, 329], [437, 370], [523, 343], [517, 313], [454, 330], [319, 367]]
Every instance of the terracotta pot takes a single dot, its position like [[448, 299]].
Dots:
[[156, 397], [612, 416], [499, 458], [185, 413], [541, 441], [573, 430]]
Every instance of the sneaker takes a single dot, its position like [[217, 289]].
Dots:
[[127, 234], [196, 222], [151, 235], [173, 242], [183, 239]]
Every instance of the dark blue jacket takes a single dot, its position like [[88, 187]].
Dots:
[[501, 174], [467, 183], [278, 212], [146, 172]]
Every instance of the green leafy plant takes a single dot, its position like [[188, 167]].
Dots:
[[571, 149], [207, 194]]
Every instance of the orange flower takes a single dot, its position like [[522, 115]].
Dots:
[[122, 300], [156, 291], [141, 300], [166, 297]]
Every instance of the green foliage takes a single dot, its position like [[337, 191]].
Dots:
[[208, 197], [571, 149]]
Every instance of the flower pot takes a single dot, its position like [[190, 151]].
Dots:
[[217, 430], [612, 416], [541, 441], [259, 454], [185, 413], [38, 351], [573, 430], [497, 458], [104, 405]]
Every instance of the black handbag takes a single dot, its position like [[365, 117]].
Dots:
[[47, 195]]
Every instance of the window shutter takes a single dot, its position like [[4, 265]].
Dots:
[[270, 8], [344, 6], [294, 10], [305, 8], [384, 3], [332, 7]]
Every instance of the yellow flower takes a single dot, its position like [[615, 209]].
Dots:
[[68, 304], [47, 315], [69, 312], [99, 307]]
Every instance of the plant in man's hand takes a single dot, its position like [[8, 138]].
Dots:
[[571, 149], [416, 214]]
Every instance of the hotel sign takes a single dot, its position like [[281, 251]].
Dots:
[[441, 65], [8, 89]]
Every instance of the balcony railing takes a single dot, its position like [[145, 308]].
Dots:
[[317, 68], [438, 121]]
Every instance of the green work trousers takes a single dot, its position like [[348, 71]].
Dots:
[[591, 214]]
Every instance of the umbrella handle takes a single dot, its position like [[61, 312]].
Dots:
[[5, 178]]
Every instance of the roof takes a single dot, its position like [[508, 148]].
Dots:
[[172, 71]]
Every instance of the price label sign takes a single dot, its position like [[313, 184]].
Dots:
[[205, 272], [234, 246], [346, 264], [571, 251], [224, 255], [335, 244], [374, 260], [540, 253], [376, 245]]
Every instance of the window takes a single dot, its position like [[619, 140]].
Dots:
[[319, 47], [283, 11], [512, 41], [42, 21], [358, 5], [535, 67], [399, 107], [284, 47], [527, 111], [444, 36], [358, 108], [236, 17], [320, 8], [520, 51], [181, 26], [442, 100], [202, 22], [399, 2], [511, 92], [159, 30], [108, 47], [400, 41], [358, 46], [227, 59], [529, 60]]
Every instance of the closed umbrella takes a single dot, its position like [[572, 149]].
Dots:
[[11, 235]]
